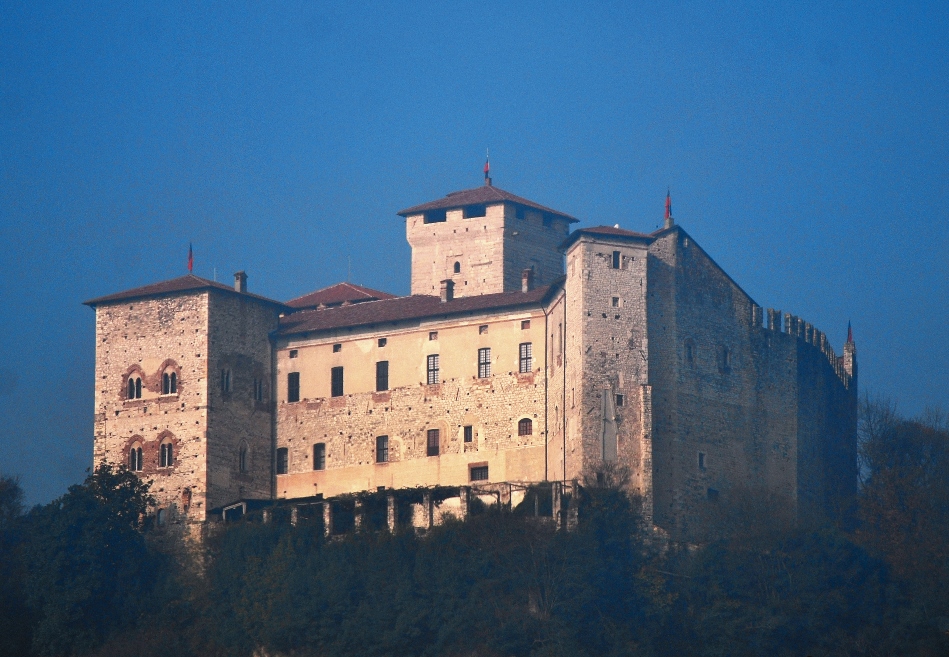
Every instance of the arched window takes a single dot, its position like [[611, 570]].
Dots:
[[134, 387], [457, 267], [161, 516], [525, 427], [166, 456], [169, 383], [242, 458], [135, 457]]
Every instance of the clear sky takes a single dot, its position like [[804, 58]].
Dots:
[[806, 146]]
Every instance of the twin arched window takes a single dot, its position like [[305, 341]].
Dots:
[[166, 456], [135, 457], [169, 382], [134, 388]]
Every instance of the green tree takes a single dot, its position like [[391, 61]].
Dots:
[[14, 617]]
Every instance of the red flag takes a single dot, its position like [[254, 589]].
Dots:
[[668, 204], [190, 258], [487, 168]]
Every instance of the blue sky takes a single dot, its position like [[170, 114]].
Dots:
[[806, 146]]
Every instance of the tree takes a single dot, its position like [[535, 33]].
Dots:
[[88, 568]]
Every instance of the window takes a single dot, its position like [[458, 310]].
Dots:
[[616, 260], [225, 380], [616, 302], [383, 342], [134, 390], [294, 353], [472, 211], [689, 353], [525, 427], [258, 390], [336, 376], [169, 383], [484, 363], [526, 360], [283, 460], [482, 329], [479, 473], [161, 517], [619, 400], [319, 456], [382, 449], [457, 268], [525, 324], [135, 458], [432, 369], [431, 447], [435, 216], [712, 495], [165, 454], [701, 460], [242, 459], [726, 361], [433, 335], [382, 375], [469, 433], [293, 387], [337, 348], [518, 213]]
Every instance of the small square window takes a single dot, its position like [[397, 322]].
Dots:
[[294, 353], [469, 433], [619, 400], [337, 348], [482, 329], [479, 473], [433, 335], [383, 342], [525, 324], [616, 302]]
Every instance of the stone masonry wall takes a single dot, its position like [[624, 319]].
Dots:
[[239, 330], [144, 337], [348, 425]]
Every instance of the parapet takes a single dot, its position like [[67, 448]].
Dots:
[[778, 321]]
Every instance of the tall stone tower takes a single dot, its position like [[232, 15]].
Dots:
[[184, 383], [482, 240]]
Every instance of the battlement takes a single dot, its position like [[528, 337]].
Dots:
[[795, 327]]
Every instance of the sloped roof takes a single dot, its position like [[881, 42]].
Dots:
[[477, 196], [338, 294], [186, 283], [417, 306], [607, 231]]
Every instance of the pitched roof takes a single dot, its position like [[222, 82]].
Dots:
[[417, 306], [338, 294], [477, 196], [188, 283], [607, 231]]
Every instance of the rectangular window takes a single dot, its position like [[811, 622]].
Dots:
[[336, 375], [283, 460], [484, 363], [433, 335], [525, 324], [479, 473], [526, 361], [482, 329], [383, 342], [616, 302], [293, 387], [337, 348], [319, 456], [382, 375], [225, 380], [432, 369], [701, 461], [616, 260], [619, 400], [258, 390], [382, 449], [294, 353], [431, 446], [469, 433], [472, 211]]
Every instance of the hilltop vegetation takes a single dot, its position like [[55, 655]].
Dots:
[[82, 576]]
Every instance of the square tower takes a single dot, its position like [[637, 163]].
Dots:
[[482, 239]]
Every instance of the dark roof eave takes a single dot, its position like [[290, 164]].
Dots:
[[580, 232], [156, 290]]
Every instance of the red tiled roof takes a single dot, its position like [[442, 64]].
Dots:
[[186, 283], [417, 306], [337, 294], [477, 196]]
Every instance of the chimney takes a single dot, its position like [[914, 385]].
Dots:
[[527, 280], [240, 282], [447, 290]]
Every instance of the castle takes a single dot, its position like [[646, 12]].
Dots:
[[525, 353]]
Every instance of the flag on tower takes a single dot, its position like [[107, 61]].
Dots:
[[190, 258], [668, 203], [487, 168]]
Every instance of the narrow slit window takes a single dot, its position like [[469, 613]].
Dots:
[[617, 260], [293, 387], [319, 456], [468, 433], [336, 379], [283, 460], [382, 375]]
